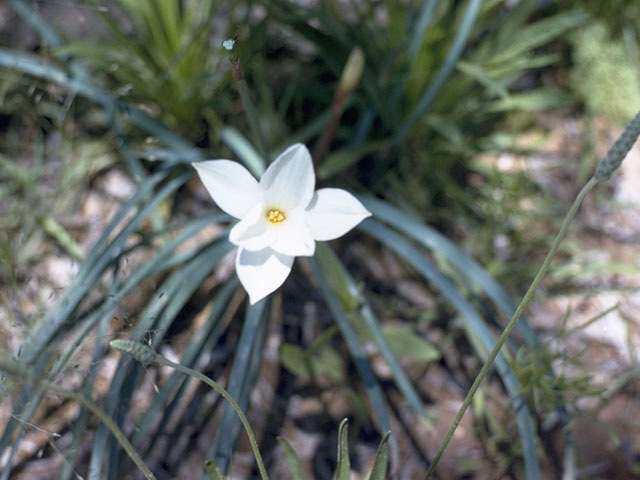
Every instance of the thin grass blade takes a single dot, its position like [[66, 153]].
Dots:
[[454, 54], [374, 391], [433, 240], [239, 381], [476, 325], [206, 336], [421, 26], [343, 467], [379, 470], [353, 301], [244, 150], [295, 465], [157, 318]]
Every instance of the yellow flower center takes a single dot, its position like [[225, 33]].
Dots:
[[275, 216]]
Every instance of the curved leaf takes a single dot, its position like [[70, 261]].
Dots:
[[476, 326], [295, 466], [343, 467]]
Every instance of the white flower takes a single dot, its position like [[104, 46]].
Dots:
[[281, 217]]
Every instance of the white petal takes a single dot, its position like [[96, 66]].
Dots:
[[289, 181], [253, 232], [333, 212], [230, 185], [293, 235], [262, 272]]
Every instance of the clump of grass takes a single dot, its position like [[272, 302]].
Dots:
[[606, 76]]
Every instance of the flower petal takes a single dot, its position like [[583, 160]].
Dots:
[[289, 181], [253, 232], [230, 185], [293, 235], [262, 272], [333, 212]]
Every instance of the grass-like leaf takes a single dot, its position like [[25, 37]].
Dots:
[[205, 339], [476, 326], [379, 470], [244, 150], [81, 422], [422, 24], [355, 303], [454, 54], [241, 378], [343, 467], [157, 318], [374, 391], [295, 465], [100, 258], [36, 66], [442, 246]]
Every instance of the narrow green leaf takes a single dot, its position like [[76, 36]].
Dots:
[[515, 21], [441, 245], [483, 78], [80, 423], [533, 100], [540, 33], [199, 346], [379, 470], [420, 28], [343, 467], [157, 318], [86, 322], [344, 158], [358, 308], [245, 365], [96, 263], [243, 149], [374, 391], [294, 463], [37, 66], [476, 326], [61, 236], [457, 47]]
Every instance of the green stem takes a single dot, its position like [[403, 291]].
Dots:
[[252, 115], [20, 371], [512, 323], [218, 388], [249, 107]]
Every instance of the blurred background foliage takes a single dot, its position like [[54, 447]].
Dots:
[[446, 86]]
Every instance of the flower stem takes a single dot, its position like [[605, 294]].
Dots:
[[23, 372], [249, 107], [349, 80], [322, 146], [512, 322]]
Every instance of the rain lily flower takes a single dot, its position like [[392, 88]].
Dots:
[[281, 217]]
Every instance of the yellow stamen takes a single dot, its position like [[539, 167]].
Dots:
[[275, 216]]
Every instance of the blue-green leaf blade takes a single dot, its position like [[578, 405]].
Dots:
[[475, 323], [379, 470], [343, 467], [294, 463]]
